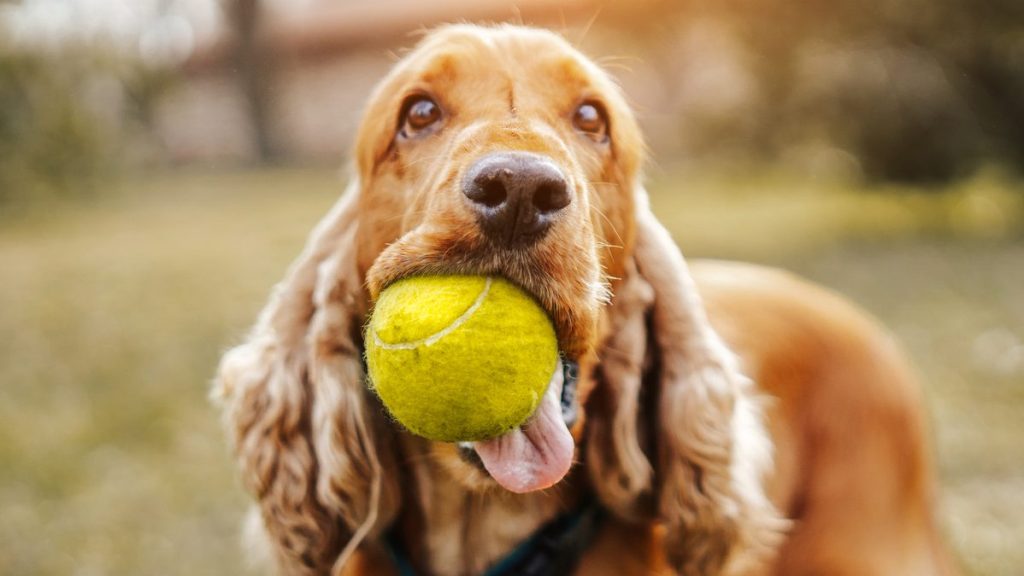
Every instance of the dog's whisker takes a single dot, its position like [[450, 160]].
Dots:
[[620, 63], [610, 225], [600, 245], [588, 25]]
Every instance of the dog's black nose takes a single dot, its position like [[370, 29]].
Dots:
[[516, 194]]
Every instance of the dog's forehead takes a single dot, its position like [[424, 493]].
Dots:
[[481, 41], [506, 55]]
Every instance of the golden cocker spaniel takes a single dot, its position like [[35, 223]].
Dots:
[[727, 419]]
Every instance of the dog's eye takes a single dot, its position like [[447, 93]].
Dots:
[[418, 114], [591, 120]]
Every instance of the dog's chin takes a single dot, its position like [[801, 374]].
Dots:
[[466, 470], [444, 462]]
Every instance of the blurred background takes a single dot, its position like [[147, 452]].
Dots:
[[161, 162]]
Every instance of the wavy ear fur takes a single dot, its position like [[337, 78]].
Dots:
[[697, 467], [617, 445], [307, 435]]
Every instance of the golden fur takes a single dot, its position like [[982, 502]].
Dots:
[[672, 440]]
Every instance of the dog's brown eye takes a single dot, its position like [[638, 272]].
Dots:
[[420, 113], [590, 119]]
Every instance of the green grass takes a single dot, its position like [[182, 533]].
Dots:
[[113, 316]]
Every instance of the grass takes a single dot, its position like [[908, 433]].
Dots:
[[113, 316]]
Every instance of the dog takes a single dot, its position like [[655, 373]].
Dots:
[[728, 419]]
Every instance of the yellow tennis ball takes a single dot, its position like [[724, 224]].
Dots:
[[459, 358]]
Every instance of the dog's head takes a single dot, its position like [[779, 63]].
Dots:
[[499, 151]]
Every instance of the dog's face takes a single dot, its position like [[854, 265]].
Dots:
[[500, 151]]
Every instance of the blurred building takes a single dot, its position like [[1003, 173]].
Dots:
[[295, 88], [911, 90]]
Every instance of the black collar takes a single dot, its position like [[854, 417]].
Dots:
[[553, 550]]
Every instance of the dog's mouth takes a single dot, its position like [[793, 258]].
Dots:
[[570, 300], [539, 453]]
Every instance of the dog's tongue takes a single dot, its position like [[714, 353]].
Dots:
[[536, 455]]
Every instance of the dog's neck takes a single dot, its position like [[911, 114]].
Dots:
[[450, 530]]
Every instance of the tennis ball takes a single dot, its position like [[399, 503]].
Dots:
[[459, 358]]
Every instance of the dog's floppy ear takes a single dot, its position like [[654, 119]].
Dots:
[[308, 438], [679, 440]]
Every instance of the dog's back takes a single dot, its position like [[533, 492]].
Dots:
[[852, 456]]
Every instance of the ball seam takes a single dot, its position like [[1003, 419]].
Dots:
[[433, 338]]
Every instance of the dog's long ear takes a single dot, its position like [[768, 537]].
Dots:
[[694, 457], [618, 446], [712, 449], [310, 443]]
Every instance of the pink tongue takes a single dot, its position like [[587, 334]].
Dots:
[[534, 456]]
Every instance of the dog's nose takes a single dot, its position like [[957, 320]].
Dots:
[[516, 195]]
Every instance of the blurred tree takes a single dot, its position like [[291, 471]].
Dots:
[[72, 116], [916, 90], [49, 143], [985, 39], [254, 68]]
